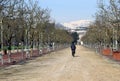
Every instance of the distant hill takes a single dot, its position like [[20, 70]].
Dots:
[[60, 26], [79, 23]]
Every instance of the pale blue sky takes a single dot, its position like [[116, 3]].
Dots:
[[70, 10]]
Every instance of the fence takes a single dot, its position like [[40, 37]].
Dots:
[[106, 51], [17, 56]]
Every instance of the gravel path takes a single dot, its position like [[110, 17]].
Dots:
[[61, 66]]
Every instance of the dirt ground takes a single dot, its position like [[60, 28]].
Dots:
[[61, 66]]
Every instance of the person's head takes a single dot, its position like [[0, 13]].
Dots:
[[72, 42]]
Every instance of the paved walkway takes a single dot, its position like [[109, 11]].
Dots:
[[61, 66]]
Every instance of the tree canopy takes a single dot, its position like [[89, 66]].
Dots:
[[28, 23], [106, 28]]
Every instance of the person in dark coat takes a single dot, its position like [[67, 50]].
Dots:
[[73, 48]]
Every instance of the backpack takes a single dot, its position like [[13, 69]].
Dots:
[[73, 46]]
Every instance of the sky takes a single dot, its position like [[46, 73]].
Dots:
[[70, 10]]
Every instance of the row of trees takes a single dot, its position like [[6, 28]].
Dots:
[[24, 21], [106, 28]]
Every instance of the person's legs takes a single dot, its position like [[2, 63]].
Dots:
[[73, 53]]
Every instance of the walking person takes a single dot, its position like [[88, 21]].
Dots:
[[73, 48]]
